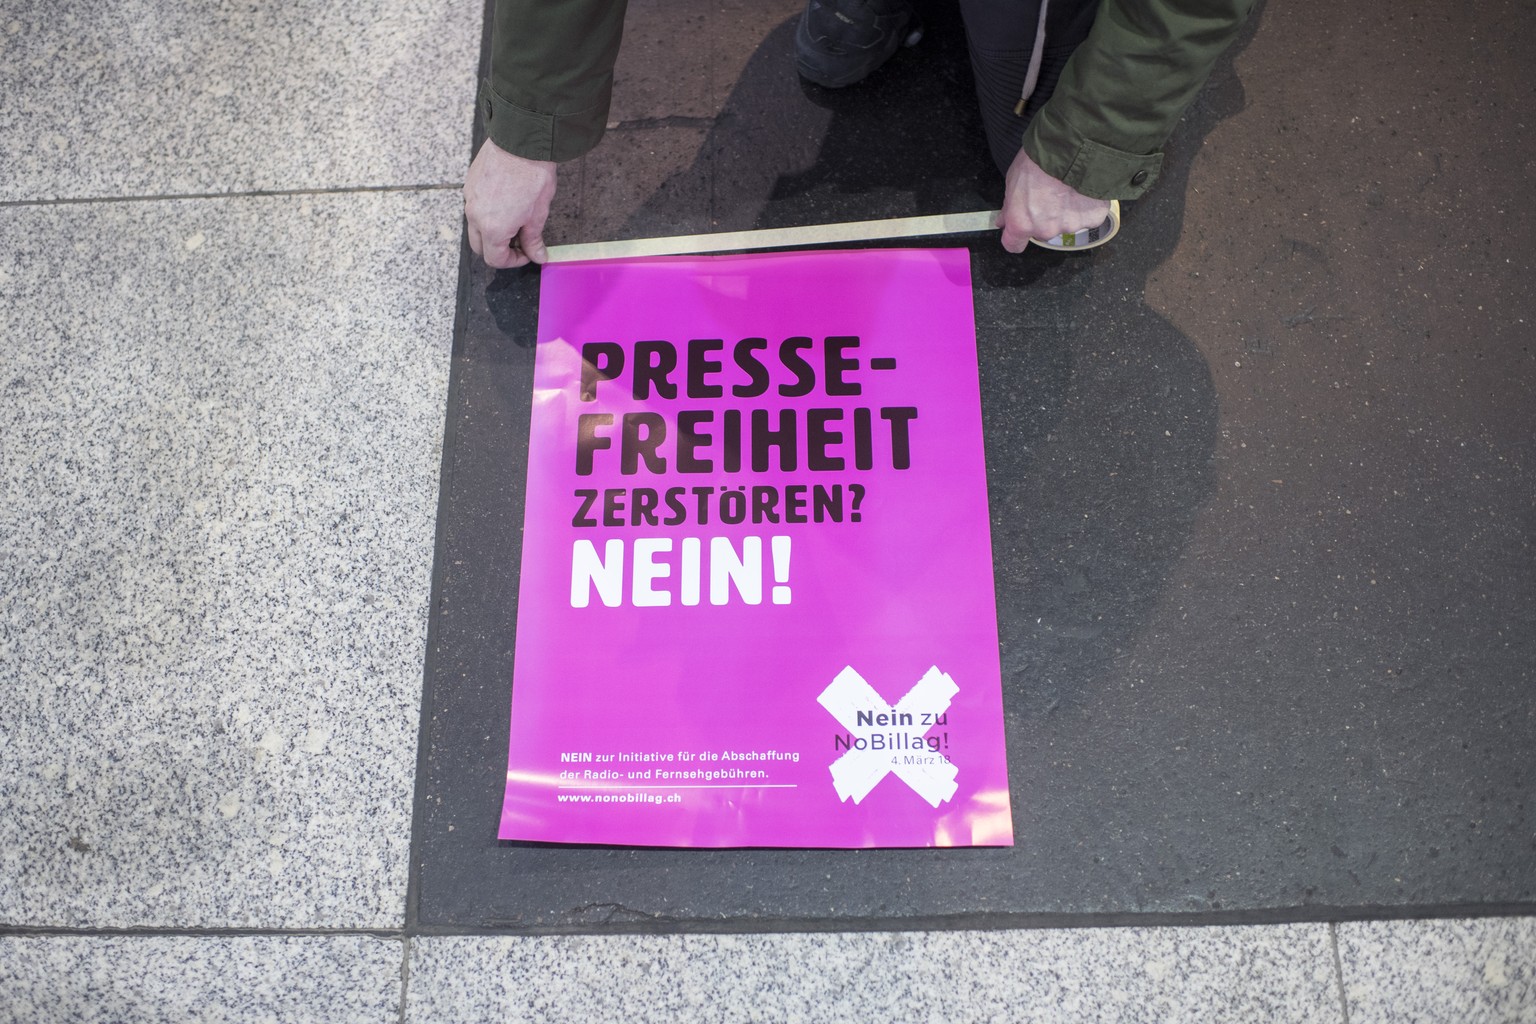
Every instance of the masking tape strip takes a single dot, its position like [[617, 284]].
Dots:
[[779, 238], [822, 234]]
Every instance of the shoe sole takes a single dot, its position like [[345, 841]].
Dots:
[[805, 49]]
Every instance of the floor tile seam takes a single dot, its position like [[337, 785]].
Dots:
[[1338, 971], [811, 929], [9, 931], [668, 926], [445, 186], [417, 836], [445, 492], [647, 124], [405, 976]]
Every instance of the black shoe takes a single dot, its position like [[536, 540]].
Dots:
[[840, 42]]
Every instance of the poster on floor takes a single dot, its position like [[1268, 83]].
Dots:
[[756, 603]]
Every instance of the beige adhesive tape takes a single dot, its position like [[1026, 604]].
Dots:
[[823, 234], [1076, 241]]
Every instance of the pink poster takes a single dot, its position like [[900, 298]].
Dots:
[[756, 603]]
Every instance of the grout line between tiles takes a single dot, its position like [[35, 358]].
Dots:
[[987, 921], [442, 186], [43, 931], [1338, 970], [440, 541], [964, 923], [439, 544], [405, 975], [641, 124]]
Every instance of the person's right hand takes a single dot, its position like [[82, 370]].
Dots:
[[506, 202], [1036, 205]]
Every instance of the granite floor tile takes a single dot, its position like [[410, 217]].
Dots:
[[222, 426], [325, 979], [148, 97], [1274, 974], [1460, 972]]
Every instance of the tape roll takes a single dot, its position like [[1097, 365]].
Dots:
[[1076, 241]]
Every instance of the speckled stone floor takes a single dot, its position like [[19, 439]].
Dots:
[[230, 289]]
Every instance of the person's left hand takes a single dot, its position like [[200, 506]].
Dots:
[[1036, 205]]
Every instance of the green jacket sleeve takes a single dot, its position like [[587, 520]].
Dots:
[[551, 75], [1124, 90]]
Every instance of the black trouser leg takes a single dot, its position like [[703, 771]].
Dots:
[[1001, 34]]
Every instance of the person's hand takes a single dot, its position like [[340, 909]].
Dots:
[[506, 202], [1036, 205]]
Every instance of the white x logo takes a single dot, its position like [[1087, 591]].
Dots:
[[858, 771]]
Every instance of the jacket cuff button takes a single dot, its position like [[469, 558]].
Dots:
[[1138, 177]]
